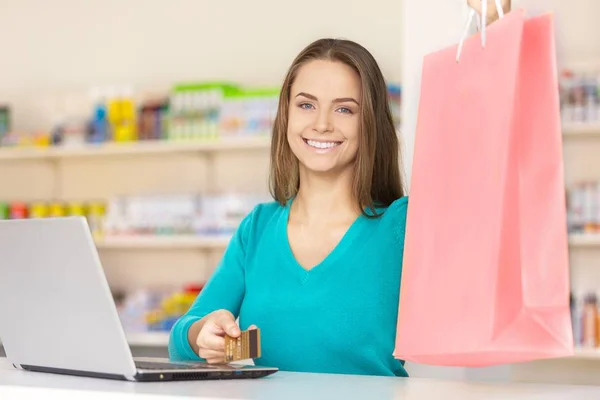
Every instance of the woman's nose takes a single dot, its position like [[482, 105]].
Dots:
[[323, 122]]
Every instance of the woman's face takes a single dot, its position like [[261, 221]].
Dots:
[[324, 117]]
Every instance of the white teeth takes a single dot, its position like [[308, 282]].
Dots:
[[322, 145]]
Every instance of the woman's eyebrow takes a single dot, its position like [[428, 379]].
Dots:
[[338, 100]]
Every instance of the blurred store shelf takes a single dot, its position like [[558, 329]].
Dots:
[[164, 242], [148, 339], [584, 240], [581, 129], [133, 148]]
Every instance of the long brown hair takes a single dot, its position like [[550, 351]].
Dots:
[[377, 179]]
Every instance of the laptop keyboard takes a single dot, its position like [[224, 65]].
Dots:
[[149, 365]]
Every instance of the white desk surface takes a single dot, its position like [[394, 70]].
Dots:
[[15, 384]]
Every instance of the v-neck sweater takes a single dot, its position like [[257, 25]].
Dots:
[[337, 317]]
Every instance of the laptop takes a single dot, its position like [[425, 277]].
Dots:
[[57, 313]]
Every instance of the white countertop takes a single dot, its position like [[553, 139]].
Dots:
[[15, 384]]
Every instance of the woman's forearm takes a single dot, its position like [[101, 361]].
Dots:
[[193, 333]]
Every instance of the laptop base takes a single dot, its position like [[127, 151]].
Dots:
[[158, 376]]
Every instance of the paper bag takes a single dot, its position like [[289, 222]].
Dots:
[[485, 276]]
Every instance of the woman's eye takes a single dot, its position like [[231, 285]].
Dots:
[[345, 110], [306, 106]]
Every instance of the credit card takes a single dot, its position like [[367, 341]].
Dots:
[[245, 347]]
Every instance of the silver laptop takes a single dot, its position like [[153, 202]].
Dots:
[[57, 313]]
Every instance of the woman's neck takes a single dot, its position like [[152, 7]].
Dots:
[[323, 197]]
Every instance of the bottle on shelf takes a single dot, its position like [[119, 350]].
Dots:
[[590, 320], [580, 97], [583, 203], [4, 122], [122, 115], [99, 126]]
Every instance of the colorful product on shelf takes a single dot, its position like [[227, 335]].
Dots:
[[99, 128], [96, 215], [583, 202], [148, 215], [76, 208], [93, 211], [4, 121], [171, 309], [590, 320], [178, 214], [39, 210], [194, 110], [580, 97], [18, 210], [248, 112], [4, 210], [155, 310], [57, 209], [122, 116], [585, 317], [152, 123], [72, 132]]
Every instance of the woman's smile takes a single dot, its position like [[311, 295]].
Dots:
[[322, 146]]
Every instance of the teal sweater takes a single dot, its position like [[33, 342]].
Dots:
[[339, 317]]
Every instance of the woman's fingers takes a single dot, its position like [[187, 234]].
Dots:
[[208, 340], [226, 322], [492, 13], [208, 353], [212, 356]]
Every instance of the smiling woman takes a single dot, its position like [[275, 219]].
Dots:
[[322, 119], [322, 143], [333, 118], [317, 270]]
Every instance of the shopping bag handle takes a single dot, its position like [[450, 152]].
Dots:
[[481, 24]]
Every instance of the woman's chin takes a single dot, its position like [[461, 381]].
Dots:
[[322, 167]]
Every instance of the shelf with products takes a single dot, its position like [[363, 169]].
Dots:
[[151, 221], [585, 319], [189, 117], [148, 314], [583, 213], [206, 222], [579, 92], [136, 148]]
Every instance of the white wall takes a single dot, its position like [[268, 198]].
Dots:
[[50, 47]]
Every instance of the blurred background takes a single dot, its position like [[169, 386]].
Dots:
[[152, 119]]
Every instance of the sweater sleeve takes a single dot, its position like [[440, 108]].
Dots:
[[224, 290], [398, 212]]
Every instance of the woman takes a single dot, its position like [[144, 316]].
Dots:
[[318, 269]]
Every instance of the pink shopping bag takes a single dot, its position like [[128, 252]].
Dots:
[[485, 273]]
